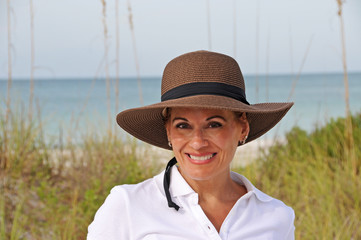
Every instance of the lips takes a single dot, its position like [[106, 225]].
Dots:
[[201, 159]]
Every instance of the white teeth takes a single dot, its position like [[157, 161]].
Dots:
[[201, 158]]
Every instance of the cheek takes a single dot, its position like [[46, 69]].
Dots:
[[175, 134], [176, 138], [178, 141], [229, 138]]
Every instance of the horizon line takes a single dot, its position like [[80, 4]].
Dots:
[[20, 78]]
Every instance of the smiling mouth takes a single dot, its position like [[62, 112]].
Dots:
[[201, 158]]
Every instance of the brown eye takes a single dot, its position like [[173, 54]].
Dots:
[[182, 126], [214, 125]]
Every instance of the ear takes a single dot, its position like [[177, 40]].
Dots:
[[245, 126]]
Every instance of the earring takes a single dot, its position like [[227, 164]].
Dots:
[[244, 140], [169, 144]]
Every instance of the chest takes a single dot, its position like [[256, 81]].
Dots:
[[191, 222]]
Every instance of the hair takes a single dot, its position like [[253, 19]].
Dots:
[[166, 114]]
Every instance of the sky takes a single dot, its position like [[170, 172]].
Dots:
[[265, 37]]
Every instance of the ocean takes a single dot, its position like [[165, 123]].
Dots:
[[75, 106]]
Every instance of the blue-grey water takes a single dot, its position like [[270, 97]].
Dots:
[[68, 105]]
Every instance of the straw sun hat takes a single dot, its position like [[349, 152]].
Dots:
[[200, 79]]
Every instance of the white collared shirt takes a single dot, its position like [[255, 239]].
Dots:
[[141, 211]]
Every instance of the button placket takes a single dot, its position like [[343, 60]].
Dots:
[[202, 218]]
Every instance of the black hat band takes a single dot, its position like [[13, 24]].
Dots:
[[206, 88]]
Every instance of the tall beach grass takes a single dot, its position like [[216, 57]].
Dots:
[[51, 190], [314, 173]]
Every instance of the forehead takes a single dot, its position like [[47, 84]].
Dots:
[[200, 112]]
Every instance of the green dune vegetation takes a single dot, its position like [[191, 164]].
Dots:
[[52, 191], [318, 174]]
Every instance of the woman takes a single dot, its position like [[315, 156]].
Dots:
[[203, 117]]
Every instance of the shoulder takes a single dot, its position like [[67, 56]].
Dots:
[[112, 220], [280, 212], [120, 196], [283, 218], [266, 210]]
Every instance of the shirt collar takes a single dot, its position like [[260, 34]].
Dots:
[[178, 185], [251, 189]]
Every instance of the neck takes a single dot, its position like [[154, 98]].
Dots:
[[217, 196], [220, 188]]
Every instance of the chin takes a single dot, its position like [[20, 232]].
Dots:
[[197, 175]]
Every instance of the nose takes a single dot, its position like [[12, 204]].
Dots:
[[198, 139]]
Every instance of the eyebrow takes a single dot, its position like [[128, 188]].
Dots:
[[216, 116], [210, 118], [179, 118]]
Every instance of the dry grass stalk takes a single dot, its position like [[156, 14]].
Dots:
[[209, 26], [32, 60], [117, 47], [41, 128], [131, 25], [86, 100], [106, 65], [267, 65], [257, 50], [294, 83], [348, 119], [344, 63], [295, 80], [235, 29], [4, 159]]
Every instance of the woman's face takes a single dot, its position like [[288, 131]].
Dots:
[[204, 140]]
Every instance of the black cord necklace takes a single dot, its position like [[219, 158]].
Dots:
[[166, 184]]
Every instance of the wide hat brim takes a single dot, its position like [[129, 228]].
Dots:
[[146, 123]]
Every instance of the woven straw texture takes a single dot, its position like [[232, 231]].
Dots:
[[201, 66]]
